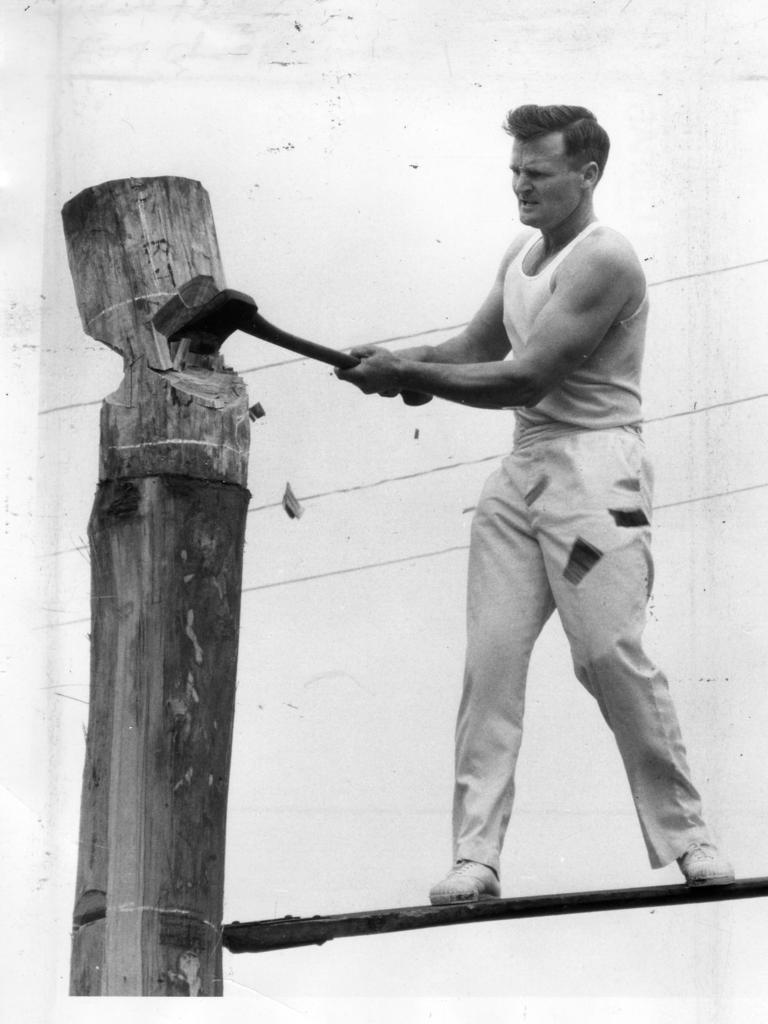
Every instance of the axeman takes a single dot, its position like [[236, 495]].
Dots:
[[565, 521]]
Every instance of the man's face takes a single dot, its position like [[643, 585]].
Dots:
[[547, 186]]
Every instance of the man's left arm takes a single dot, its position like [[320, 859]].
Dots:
[[590, 296]]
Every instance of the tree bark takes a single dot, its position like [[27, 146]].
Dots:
[[166, 536]]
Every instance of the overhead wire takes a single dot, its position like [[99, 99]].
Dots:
[[353, 488], [420, 556], [462, 463], [489, 458], [465, 547], [428, 331], [456, 327], [467, 462]]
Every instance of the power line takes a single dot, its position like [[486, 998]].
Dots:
[[280, 362], [430, 554], [710, 497], [381, 483], [465, 547], [456, 327], [707, 273], [432, 330], [706, 408], [468, 462], [67, 697], [381, 341], [488, 458], [691, 501], [66, 408], [357, 568], [446, 466]]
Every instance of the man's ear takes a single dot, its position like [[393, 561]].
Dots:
[[590, 174]]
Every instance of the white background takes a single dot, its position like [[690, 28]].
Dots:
[[358, 177]]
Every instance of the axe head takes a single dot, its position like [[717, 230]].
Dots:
[[204, 314]]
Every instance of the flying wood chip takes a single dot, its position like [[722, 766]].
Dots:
[[256, 411], [291, 503]]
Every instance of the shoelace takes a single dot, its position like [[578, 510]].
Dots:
[[463, 866], [697, 851]]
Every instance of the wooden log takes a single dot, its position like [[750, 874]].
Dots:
[[289, 932], [166, 535], [193, 422], [166, 576], [130, 244]]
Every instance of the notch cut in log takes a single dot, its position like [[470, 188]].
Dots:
[[289, 932]]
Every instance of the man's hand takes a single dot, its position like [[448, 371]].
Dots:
[[379, 374]]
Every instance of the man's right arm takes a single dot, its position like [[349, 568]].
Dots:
[[484, 339]]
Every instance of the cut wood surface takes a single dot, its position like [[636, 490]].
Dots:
[[193, 423]]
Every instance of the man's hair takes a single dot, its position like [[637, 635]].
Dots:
[[584, 139]]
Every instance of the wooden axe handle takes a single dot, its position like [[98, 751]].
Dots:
[[201, 310], [257, 326]]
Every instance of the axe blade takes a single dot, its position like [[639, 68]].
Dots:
[[192, 295], [205, 314]]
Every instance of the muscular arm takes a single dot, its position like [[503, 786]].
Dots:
[[590, 295], [484, 339]]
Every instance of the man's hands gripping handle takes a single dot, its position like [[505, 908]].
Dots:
[[375, 372], [343, 361]]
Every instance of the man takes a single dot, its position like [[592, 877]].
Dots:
[[564, 523]]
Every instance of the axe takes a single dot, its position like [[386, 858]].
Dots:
[[203, 316]]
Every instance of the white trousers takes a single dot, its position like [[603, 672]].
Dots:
[[565, 523]]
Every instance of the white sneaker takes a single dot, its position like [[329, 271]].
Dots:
[[466, 881], [703, 864]]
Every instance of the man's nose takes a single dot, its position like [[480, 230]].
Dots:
[[521, 184]]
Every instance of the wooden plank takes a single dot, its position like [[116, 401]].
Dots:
[[287, 932], [166, 533]]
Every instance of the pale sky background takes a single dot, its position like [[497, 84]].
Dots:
[[358, 178]]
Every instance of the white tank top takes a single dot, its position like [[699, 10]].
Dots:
[[605, 390]]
